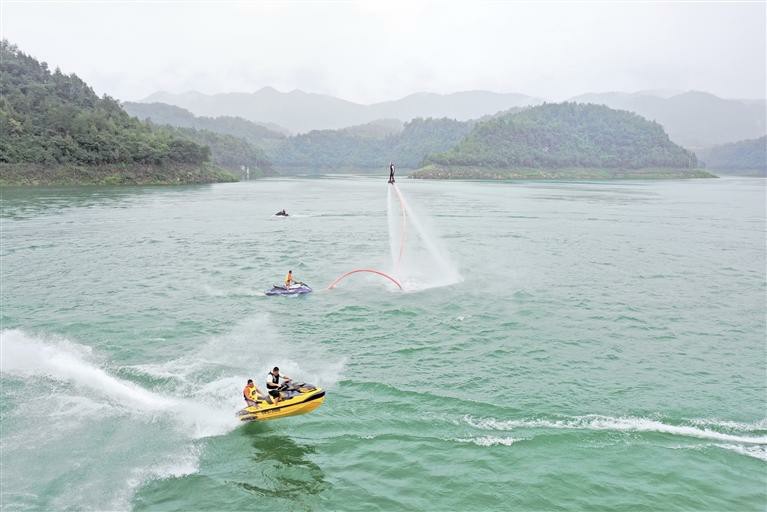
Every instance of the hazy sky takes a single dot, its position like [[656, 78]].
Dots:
[[377, 50]]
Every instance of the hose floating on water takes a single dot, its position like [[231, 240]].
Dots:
[[370, 270]]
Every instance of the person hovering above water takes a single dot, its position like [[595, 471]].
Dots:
[[273, 383], [391, 172]]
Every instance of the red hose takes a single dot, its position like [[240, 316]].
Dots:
[[387, 276]]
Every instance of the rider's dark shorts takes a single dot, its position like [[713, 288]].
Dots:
[[274, 393]]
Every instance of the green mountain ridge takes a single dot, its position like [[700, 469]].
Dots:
[[350, 149], [360, 147], [55, 129], [556, 139], [302, 112], [693, 119]]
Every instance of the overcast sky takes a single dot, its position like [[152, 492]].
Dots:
[[378, 50]]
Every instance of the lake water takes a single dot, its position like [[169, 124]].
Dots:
[[570, 346]]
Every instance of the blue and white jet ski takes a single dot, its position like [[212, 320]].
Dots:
[[295, 289]]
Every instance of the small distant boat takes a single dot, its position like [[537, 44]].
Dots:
[[281, 213], [296, 289]]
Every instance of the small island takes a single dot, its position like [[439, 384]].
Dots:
[[564, 141], [54, 130]]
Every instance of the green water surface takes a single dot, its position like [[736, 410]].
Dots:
[[602, 346]]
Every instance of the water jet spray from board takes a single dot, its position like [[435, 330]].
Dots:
[[418, 260]]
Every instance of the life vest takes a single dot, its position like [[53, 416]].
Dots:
[[248, 392], [274, 382]]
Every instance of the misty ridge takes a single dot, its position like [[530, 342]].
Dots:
[[693, 119], [56, 130], [303, 132]]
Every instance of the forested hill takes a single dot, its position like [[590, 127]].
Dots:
[[55, 129], [230, 152], [355, 148], [235, 143], [560, 136], [360, 148], [743, 157]]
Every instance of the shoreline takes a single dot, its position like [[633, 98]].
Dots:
[[37, 175], [574, 173]]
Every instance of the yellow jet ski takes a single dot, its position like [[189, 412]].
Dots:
[[295, 399]]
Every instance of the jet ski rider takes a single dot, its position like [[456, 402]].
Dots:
[[273, 383], [391, 172], [289, 280]]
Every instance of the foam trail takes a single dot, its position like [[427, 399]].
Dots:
[[624, 424], [757, 452], [24, 356], [200, 393], [28, 357], [487, 441]]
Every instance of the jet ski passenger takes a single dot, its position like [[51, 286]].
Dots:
[[252, 394], [273, 383], [289, 279], [391, 172]]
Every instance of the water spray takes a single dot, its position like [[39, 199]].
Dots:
[[402, 229], [445, 267]]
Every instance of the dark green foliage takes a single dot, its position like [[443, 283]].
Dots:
[[745, 155], [55, 119], [566, 135], [422, 137], [226, 150], [111, 174], [349, 149]]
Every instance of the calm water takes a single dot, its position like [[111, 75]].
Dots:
[[599, 346]]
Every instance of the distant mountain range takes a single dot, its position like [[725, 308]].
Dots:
[[692, 119], [301, 112]]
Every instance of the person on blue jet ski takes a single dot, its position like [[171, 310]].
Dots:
[[289, 280], [273, 383]]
